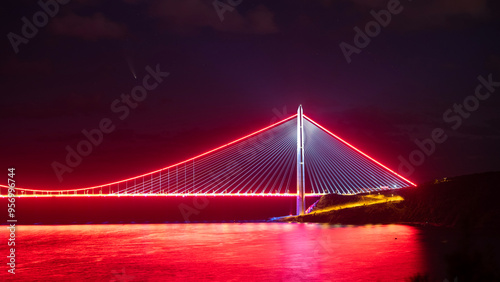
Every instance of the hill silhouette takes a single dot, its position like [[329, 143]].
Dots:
[[471, 200]]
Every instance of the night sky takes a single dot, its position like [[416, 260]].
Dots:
[[233, 76]]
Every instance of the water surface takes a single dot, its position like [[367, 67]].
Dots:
[[220, 251]]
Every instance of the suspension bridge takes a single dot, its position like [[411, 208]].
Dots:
[[294, 157]]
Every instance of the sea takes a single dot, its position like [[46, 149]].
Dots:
[[230, 251]]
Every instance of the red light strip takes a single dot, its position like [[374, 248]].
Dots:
[[166, 195], [357, 150], [135, 177]]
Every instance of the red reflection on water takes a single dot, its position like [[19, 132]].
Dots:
[[357, 253], [222, 251]]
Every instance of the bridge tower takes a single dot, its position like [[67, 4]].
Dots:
[[300, 163]]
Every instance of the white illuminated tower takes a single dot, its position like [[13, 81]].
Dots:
[[300, 163]]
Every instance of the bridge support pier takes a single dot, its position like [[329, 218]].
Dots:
[[300, 163]]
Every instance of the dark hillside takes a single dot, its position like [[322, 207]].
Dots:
[[471, 200]]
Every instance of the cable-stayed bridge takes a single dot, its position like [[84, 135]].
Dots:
[[294, 157]]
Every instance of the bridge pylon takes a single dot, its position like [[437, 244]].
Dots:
[[300, 163]]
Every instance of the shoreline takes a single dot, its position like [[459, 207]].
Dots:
[[464, 202]]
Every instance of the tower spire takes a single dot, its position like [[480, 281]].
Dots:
[[300, 162]]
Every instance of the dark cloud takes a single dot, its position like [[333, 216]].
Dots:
[[433, 13], [192, 15], [92, 27]]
